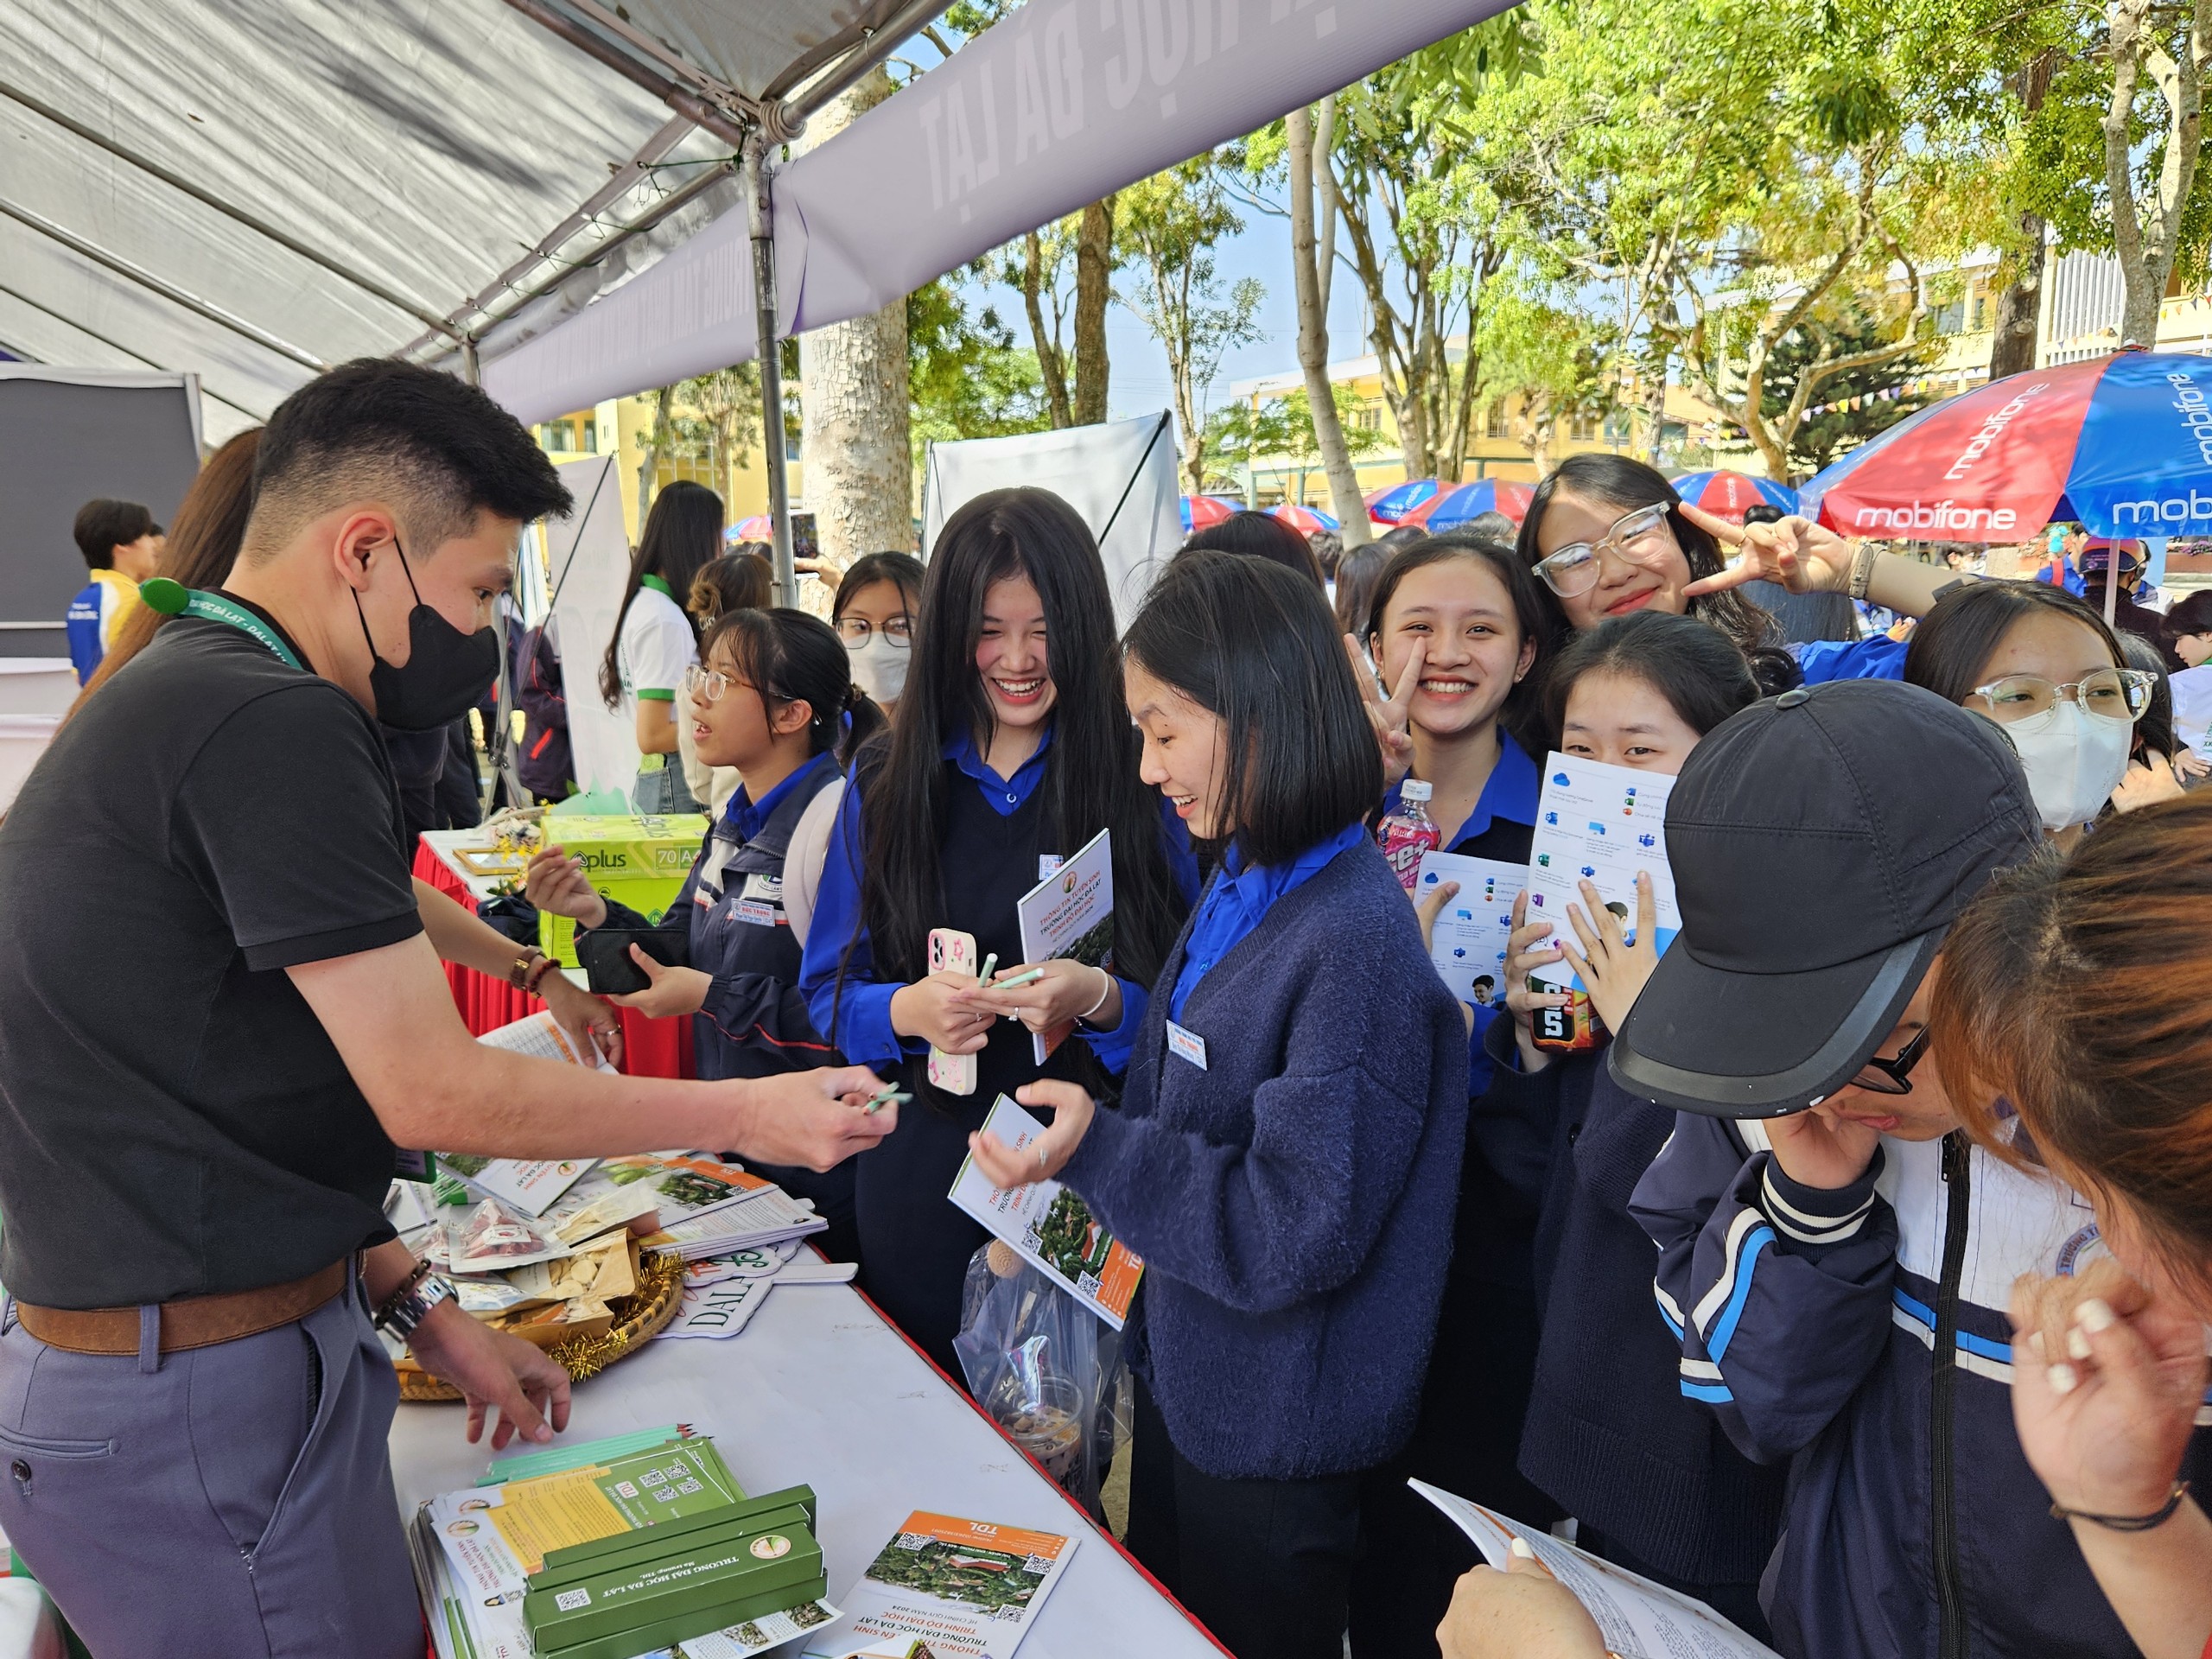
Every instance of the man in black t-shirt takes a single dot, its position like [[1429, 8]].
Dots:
[[218, 1015]]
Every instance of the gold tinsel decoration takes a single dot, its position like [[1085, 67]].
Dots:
[[638, 1318]]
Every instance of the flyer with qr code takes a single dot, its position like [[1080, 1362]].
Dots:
[[1049, 1226], [964, 1589]]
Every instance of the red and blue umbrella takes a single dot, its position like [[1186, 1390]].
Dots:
[[1305, 520], [1390, 505], [1204, 512], [2122, 444], [1730, 495], [1471, 501], [759, 528]]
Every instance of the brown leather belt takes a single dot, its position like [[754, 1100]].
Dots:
[[188, 1322]]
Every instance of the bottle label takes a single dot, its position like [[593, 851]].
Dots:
[[1404, 844]]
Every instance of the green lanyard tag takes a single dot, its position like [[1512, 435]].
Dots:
[[174, 599]]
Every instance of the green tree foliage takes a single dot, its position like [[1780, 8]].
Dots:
[[1832, 428], [967, 378]]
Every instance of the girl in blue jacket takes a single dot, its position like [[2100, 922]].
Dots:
[[1010, 751], [774, 698], [1650, 1477], [1286, 1154]]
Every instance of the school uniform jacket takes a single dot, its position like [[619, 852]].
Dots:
[[730, 915], [1863, 1333]]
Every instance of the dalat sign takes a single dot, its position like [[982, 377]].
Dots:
[[1061, 104]]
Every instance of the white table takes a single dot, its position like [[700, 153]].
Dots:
[[820, 1390]]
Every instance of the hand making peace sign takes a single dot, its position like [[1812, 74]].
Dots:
[[1803, 556], [1390, 718]]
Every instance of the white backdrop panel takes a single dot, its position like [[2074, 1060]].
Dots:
[[590, 563], [1089, 466]]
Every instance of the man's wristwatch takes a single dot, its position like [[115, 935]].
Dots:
[[406, 1309]]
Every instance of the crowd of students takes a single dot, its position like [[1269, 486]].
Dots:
[[1384, 1240], [1735, 1293]]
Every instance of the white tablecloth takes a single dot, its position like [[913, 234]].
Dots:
[[819, 1390]]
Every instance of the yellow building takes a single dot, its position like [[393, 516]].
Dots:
[[620, 427]]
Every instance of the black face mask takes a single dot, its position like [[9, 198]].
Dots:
[[447, 672]]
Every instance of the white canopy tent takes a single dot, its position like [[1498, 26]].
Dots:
[[541, 190]]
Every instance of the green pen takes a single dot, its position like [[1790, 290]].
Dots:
[[990, 962], [1034, 974], [877, 1101]]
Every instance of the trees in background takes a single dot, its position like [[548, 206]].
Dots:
[[1168, 225]]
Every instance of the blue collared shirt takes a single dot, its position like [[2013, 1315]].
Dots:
[[1510, 794], [1238, 901], [747, 819], [858, 1016]]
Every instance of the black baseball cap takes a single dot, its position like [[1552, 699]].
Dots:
[[1821, 843]]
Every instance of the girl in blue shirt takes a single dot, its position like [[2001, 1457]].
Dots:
[[1608, 536], [1285, 1156], [1011, 748]]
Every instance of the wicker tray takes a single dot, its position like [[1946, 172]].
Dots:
[[638, 1318]]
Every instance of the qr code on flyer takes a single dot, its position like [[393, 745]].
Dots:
[[1037, 1565], [912, 1541], [1088, 1284]]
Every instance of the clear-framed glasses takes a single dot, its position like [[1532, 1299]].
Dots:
[[1891, 1077], [1641, 537], [2114, 694], [704, 685], [855, 630]]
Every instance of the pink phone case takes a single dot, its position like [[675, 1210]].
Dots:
[[955, 953]]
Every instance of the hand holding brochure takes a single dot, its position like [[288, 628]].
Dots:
[[1049, 1226], [1469, 940], [1637, 1619], [1603, 826], [1070, 913]]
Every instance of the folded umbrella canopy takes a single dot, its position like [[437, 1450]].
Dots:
[[1471, 501], [1204, 512], [1305, 520], [1730, 495], [2122, 444], [1390, 505]]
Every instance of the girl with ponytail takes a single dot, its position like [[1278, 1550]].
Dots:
[[773, 699]]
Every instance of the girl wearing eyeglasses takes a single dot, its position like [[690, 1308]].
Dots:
[[775, 701], [873, 614], [2043, 665], [1608, 536]]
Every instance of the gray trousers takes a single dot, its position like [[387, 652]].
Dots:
[[223, 1502]]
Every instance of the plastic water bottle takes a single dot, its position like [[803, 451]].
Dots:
[[1409, 832]]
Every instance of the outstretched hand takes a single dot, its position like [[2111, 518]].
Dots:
[[1803, 556]]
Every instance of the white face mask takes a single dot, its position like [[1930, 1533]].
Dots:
[[2074, 761], [880, 665]]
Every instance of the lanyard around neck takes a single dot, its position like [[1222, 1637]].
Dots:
[[174, 599]]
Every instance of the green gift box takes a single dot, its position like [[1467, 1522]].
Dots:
[[618, 1597]]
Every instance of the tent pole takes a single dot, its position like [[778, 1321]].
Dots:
[[469, 370], [760, 221], [168, 291]]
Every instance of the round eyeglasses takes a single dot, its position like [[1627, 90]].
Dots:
[[855, 630], [1640, 538], [704, 685], [2116, 693]]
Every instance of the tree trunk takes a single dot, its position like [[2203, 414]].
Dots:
[[854, 404], [2146, 234], [1094, 271], [1307, 147], [656, 441], [1048, 346], [2019, 302]]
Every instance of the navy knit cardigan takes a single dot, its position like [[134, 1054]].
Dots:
[[1293, 1200]]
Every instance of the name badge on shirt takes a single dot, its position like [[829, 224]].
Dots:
[[1186, 1044], [760, 902]]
